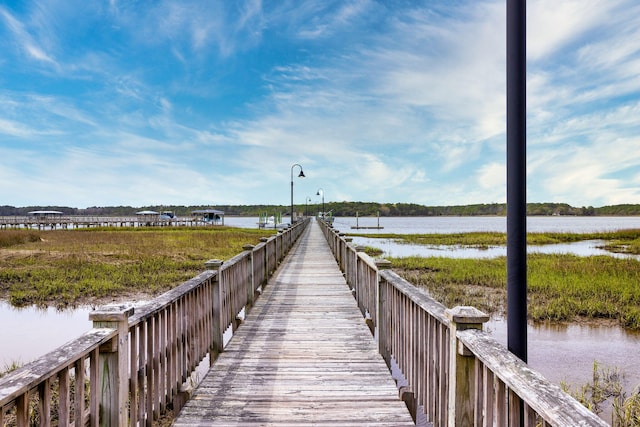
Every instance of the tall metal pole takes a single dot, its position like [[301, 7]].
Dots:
[[516, 179], [301, 175]]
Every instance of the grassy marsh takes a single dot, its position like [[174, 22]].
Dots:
[[69, 267], [561, 287]]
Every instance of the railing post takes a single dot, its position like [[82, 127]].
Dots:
[[382, 326], [217, 342], [265, 260], [251, 293], [462, 392], [279, 247], [113, 365], [381, 264], [341, 251]]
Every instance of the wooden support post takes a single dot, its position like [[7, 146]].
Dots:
[[462, 365], [382, 328], [265, 261], [217, 342], [383, 264], [251, 292], [113, 363]]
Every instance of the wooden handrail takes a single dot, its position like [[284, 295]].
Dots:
[[499, 369], [53, 374], [455, 372]]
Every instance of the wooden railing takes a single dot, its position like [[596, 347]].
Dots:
[[453, 372], [137, 363]]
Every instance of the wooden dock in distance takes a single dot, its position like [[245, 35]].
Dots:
[[370, 227], [304, 356]]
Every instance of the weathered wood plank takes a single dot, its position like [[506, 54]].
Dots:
[[304, 355]]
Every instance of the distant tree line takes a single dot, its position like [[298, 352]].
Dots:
[[346, 209]]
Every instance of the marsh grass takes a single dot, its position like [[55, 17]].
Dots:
[[605, 392], [15, 237], [560, 287], [624, 241], [69, 267], [10, 367]]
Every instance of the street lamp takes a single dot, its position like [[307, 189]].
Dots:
[[317, 194], [300, 175], [306, 209]]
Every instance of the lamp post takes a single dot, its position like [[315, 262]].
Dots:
[[317, 194], [300, 175], [306, 209]]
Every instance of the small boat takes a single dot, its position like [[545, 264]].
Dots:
[[209, 216], [271, 222], [167, 216]]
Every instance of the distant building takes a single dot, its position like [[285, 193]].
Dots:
[[148, 217], [209, 216]]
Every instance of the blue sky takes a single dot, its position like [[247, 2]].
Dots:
[[140, 103]]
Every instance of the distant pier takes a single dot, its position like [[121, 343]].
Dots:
[[72, 221], [369, 227]]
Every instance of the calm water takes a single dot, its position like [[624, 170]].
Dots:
[[456, 224], [391, 248], [561, 353], [29, 332], [567, 352]]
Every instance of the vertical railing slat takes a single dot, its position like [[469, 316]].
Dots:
[[79, 392], [63, 397], [142, 375], [44, 403]]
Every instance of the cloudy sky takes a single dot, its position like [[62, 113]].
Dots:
[[212, 102]]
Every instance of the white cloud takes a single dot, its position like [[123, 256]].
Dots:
[[492, 175], [410, 110], [26, 42], [450, 68], [11, 128], [552, 25]]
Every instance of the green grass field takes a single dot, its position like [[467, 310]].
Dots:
[[561, 287], [69, 267]]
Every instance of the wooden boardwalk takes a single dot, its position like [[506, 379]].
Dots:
[[304, 356]]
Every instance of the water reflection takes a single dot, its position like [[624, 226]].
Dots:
[[392, 248], [29, 332], [566, 352], [460, 224]]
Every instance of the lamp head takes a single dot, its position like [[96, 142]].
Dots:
[[318, 193], [301, 175]]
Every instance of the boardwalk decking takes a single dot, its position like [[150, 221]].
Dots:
[[304, 356]]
